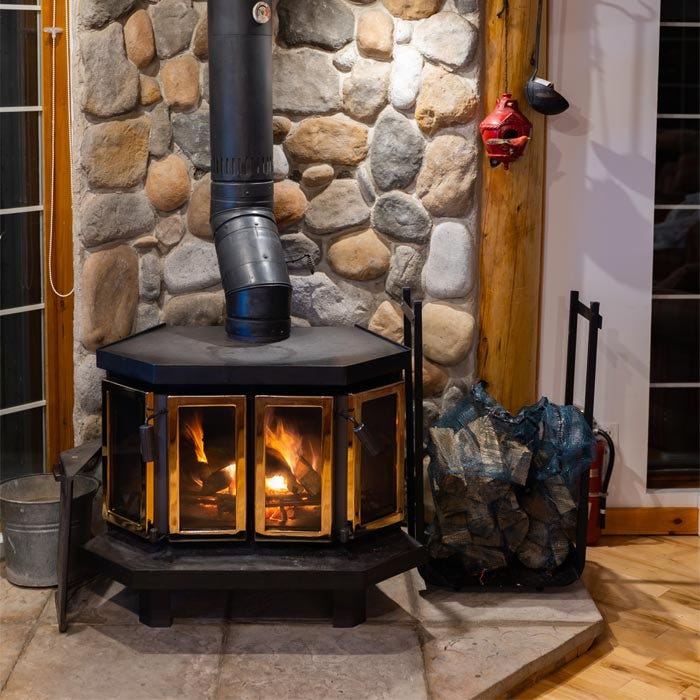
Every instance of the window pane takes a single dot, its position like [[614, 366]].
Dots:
[[20, 260], [680, 11], [21, 444], [18, 59], [677, 161], [21, 359], [679, 71], [674, 439], [675, 353], [677, 251], [19, 159]]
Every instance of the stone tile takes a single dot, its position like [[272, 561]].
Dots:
[[488, 661], [14, 637], [118, 661], [408, 596], [18, 604], [317, 661]]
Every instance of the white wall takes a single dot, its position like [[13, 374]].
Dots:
[[599, 216]]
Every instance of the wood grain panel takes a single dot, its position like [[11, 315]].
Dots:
[[651, 521]]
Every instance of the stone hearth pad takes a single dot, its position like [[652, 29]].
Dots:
[[418, 643]]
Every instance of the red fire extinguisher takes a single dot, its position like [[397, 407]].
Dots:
[[598, 484]]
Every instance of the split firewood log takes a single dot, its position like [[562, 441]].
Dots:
[[477, 558], [533, 551], [512, 521]]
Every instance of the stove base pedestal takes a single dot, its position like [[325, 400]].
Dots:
[[345, 570]]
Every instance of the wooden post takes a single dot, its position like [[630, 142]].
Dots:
[[512, 218]]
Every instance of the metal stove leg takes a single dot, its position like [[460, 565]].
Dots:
[[154, 608], [349, 608], [64, 519]]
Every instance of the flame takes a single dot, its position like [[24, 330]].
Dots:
[[231, 471], [194, 430], [284, 441], [276, 484]]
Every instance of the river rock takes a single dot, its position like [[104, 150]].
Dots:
[[396, 153], [405, 271], [191, 133], [323, 302], [365, 91], [280, 166], [169, 231], [149, 90], [447, 179], [467, 7], [402, 217], [115, 154], [434, 379], [199, 208], [191, 266], [328, 140], [168, 183], [293, 92], [115, 216], [180, 78], [448, 333], [375, 34], [346, 58], [138, 39], [203, 309], [445, 99], [161, 131], [403, 31], [173, 24], [412, 9], [150, 276], [300, 252], [281, 126], [328, 24], [87, 384], [364, 180], [359, 256], [339, 206], [200, 39], [96, 13], [406, 74], [103, 55], [290, 203], [446, 38], [387, 320], [449, 269], [317, 176], [109, 296]]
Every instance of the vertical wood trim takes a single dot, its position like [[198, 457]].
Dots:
[[58, 347], [512, 219]]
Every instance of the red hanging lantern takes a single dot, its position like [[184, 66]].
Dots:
[[505, 132]]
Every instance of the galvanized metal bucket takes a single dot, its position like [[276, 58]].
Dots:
[[29, 511]]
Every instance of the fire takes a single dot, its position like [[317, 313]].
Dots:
[[231, 471], [276, 484], [284, 441], [194, 430]]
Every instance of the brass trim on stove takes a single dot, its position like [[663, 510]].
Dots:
[[174, 403], [325, 403], [146, 515], [355, 403]]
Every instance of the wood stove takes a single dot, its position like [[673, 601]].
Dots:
[[247, 457]]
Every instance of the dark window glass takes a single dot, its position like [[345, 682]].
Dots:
[[18, 59], [679, 49], [674, 438], [207, 463], [680, 11], [21, 443], [21, 359], [677, 251], [20, 259], [127, 472], [19, 159], [678, 161], [675, 357], [378, 471]]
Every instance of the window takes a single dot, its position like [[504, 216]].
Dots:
[[674, 416]]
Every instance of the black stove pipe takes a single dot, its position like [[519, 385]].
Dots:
[[253, 270]]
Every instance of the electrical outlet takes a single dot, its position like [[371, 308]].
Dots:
[[612, 429]]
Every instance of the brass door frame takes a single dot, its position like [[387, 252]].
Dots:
[[147, 488], [174, 403], [355, 403], [325, 403]]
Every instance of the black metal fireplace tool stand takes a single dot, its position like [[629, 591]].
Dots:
[[346, 571]]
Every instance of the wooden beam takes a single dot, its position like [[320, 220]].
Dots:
[[512, 219], [59, 312], [651, 521]]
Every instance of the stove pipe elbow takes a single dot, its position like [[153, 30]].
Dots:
[[253, 270]]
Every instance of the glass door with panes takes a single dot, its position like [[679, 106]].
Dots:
[[22, 398], [674, 416]]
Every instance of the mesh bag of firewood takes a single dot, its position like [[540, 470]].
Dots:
[[506, 488]]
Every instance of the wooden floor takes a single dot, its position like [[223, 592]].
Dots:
[[648, 591]]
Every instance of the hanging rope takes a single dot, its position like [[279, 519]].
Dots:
[[54, 31], [504, 13]]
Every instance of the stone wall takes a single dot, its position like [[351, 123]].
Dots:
[[375, 160]]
